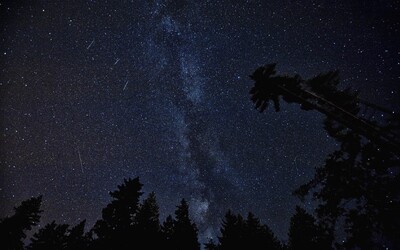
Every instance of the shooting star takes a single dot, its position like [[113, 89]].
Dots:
[[80, 159], [88, 47], [116, 61], [125, 85]]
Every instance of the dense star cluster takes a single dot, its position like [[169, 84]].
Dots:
[[93, 92]]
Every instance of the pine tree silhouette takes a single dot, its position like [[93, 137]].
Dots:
[[231, 232], [59, 236], [305, 233], [259, 236], [77, 238], [13, 229], [237, 233], [116, 228], [184, 235], [167, 230], [52, 236], [147, 224]]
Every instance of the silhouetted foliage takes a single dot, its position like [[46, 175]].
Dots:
[[147, 224], [167, 230], [13, 229], [237, 233], [305, 233], [115, 229], [184, 234], [259, 236], [77, 238], [128, 223], [308, 93], [359, 182], [52, 236], [231, 231], [59, 236], [322, 94]]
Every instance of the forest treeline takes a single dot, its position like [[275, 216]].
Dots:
[[128, 222], [357, 189]]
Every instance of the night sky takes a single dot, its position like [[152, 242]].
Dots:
[[93, 92]]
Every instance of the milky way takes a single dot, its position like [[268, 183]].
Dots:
[[94, 92]]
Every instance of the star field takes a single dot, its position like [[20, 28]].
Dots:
[[96, 91]]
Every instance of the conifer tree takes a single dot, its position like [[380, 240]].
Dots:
[[115, 229], [60, 236], [77, 238], [185, 232], [231, 231], [258, 236], [167, 230], [237, 233], [13, 229], [305, 233], [147, 224], [52, 236]]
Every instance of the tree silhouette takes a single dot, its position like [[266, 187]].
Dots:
[[52, 236], [184, 233], [13, 229], [322, 94], [259, 236], [232, 232], [237, 233], [59, 236], [359, 182], [167, 230], [77, 238], [147, 224], [305, 233], [126, 223], [116, 228]]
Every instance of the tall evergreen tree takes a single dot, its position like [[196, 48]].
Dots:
[[167, 230], [147, 224], [13, 229], [232, 231], [259, 236], [52, 236], [305, 233], [115, 229], [77, 238], [60, 236], [185, 232], [237, 233]]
